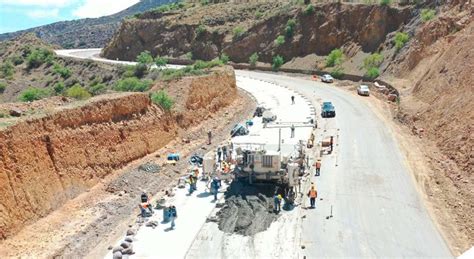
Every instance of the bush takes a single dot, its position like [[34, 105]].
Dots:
[[132, 84], [277, 62], [162, 99], [253, 59], [338, 72], [372, 72], [374, 60], [280, 40], [224, 59], [58, 87], [258, 14], [290, 28], [127, 71], [7, 69], [140, 70], [334, 58], [238, 32], [97, 89], [33, 94], [401, 39], [78, 92], [16, 60], [309, 9], [189, 55], [3, 86], [161, 61], [64, 72], [385, 2], [427, 14], [199, 65], [39, 56], [145, 58], [200, 30]]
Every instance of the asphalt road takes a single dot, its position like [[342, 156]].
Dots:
[[376, 209]]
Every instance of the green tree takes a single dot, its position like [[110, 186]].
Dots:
[[280, 40], [162, 99], [290, 28], [78, 92], [385, 2], [33, 94], [427, 14], [337, 72], [253, 59], [7, 69], [278, 61], [334, 58], [145, 58], [372, 72], [400, 40], [161, 61], [309, 9]]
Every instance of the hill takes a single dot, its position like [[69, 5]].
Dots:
[[86, 33]]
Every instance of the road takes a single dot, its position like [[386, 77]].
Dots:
[[377, 211]]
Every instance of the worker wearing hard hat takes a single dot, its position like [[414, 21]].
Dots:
[[317, 165], [312, 194], [277, 200]]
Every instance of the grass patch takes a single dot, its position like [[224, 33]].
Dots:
[[64, 72], [162, 99], [132, 84], [7, 69], [238, 32], [309, 9], [39, 56], [3, 87]]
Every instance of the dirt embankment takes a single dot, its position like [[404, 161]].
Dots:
[[49, 160], [209, 31], [434, 76]]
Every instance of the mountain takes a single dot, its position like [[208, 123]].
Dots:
[[86, 33]]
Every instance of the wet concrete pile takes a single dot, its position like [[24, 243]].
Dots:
[[248, 209]]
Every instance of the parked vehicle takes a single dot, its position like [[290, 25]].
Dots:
[[328, 110], [327, 78], [363, 90]]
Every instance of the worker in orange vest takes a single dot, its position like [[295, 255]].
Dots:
[[312, 194], [318, 167]]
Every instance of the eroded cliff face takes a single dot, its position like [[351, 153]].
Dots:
[[330, 26], [47, 161]]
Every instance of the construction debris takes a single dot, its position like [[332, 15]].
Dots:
[[150, 167]]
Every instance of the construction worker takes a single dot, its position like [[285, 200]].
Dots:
[[209, 137], [192, 184], [219, 154], [277, 201], [292, 130], [331, 142], [173, 214], [292, 99], [318, 167], [224, 152], [215, 185], [312, 194]]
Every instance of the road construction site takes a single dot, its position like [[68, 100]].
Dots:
[[367, 203]]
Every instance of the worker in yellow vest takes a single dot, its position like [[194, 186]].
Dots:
[[312, 194]]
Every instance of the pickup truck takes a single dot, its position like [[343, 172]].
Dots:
[[328, 110]]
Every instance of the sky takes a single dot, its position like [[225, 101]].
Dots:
[[23, 14]]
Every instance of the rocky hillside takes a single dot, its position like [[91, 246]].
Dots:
[[86, 33], [239, 30], [27, 62]]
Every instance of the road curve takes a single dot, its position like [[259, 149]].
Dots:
[[376, 210]]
